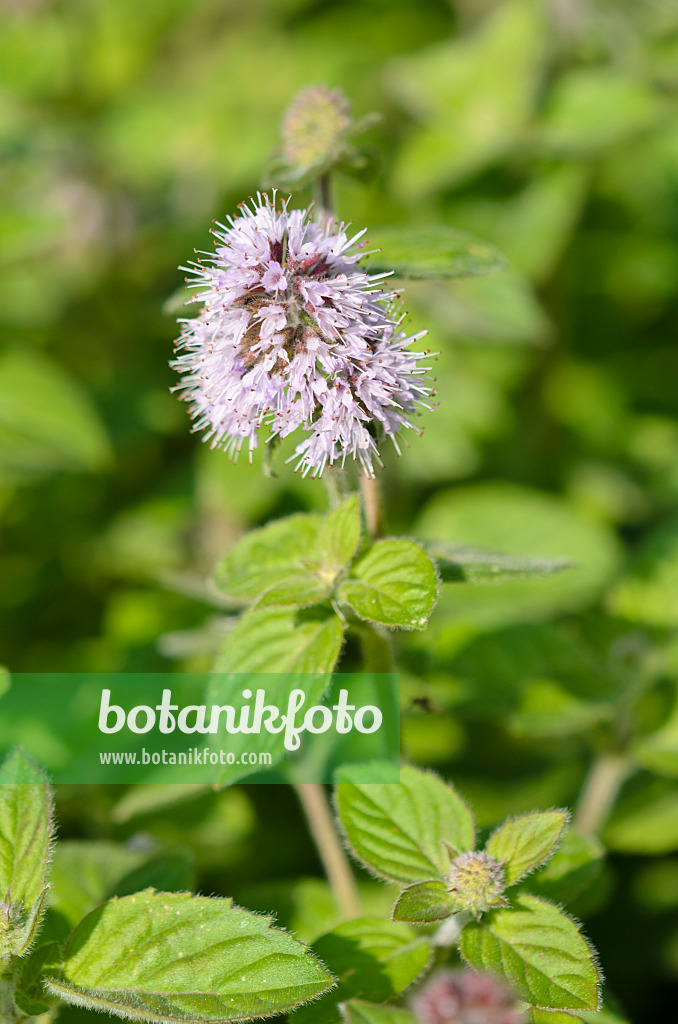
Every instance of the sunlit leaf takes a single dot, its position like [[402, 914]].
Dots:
[[170, 956], [537, 950], [402, 832]]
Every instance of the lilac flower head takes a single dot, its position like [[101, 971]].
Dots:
[[463, 997], [293, 335]]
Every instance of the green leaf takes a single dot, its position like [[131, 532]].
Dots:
[[372, 959], [547, 710], [339, 535], [647, 593], [528, 524], [523, 843], [432, 251], [593, 107], [29, 994], [227, 689], [647, 823], [357, 1011], [277, 640], [535, 1015], [5, 680], [575, 865], [269, 558], [155, 797], [402, 832], [47, 422], [293, 561], [538, 951], [172, 956], [83, 873], [465, 115], [25, 836], [424, 902], [167, 871], [658, 751], [458, 563], [393, 584]]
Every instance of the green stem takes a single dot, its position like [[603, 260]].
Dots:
[[323, 199], [9, 1011], [378, 658], [600, 790], [332, 854], [333, 485]]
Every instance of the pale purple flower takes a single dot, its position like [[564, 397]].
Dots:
[[294, 336], [464, 997]]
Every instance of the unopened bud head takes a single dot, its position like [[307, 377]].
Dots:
[[315, 125], [479, 881]]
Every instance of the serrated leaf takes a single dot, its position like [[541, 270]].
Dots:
[[426, 901], [293, 561], [25, 836], [278, 640], [538, 951], [339, 534], [432, 251], [172, 956], [400, 831], [372, 959], [393, 584], [267, 558], [357, 1011], [523, 843], [459, 563]]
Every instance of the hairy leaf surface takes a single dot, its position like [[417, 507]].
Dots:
[[393, 584], [523, 843], [173, 956], [400, 831], [25, 836], [538, 950]]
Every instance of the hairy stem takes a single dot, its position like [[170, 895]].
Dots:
[[9, 1011], [333, 486], [600, 790], [323, 199], [332, 854], [373, 505]]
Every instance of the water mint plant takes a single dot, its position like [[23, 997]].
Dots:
[[525, 589], [297, 334]]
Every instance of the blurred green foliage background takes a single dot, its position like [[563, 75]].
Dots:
[[549, 128]]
